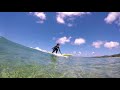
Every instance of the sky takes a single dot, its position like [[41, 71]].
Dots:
[[79, 33]]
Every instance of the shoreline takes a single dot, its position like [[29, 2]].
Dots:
[[105, 57]]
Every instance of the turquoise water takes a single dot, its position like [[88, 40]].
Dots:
[[87, 67], [60, 67], [92, 67], [17, 61]]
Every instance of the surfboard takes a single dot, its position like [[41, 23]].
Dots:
[[60, 55], [67, 54]]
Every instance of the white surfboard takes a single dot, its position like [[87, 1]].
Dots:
[[59, 55]]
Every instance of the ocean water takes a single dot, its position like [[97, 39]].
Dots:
[[48, 66], [79, 67]]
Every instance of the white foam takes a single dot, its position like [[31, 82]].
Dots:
[[45, 51], [59, 55]]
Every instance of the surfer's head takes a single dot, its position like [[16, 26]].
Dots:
[[58, 44]]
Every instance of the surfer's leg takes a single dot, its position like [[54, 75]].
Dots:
[[56, 51], [53, 51]]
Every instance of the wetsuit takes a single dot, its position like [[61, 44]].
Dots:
[[56, 48]]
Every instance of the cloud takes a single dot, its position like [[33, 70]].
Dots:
[[93, 52], [63, 40], [113, 17], [79, 52], [61, 16], [60, 20], [75, 53], [111, 44], [97, 44], [79, 41], [40, 15]]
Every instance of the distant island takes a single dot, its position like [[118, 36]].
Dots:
[[115, 55]]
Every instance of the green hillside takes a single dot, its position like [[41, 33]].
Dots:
[[115, 55]]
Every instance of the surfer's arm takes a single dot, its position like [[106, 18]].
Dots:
[[53, 47], [59, 50]]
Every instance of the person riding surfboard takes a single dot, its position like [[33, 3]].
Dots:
[[56, 48]]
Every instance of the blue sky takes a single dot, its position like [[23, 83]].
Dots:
[[80, 33]]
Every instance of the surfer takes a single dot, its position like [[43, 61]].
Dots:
[[56, 48]]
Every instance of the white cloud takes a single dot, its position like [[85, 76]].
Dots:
[[40, 15], [75, 53], [60, 20], [111, 44], [79, 52], [113, 17], [63, 40], [61, 16], [93, 52], [97, 44], [79, 41]]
